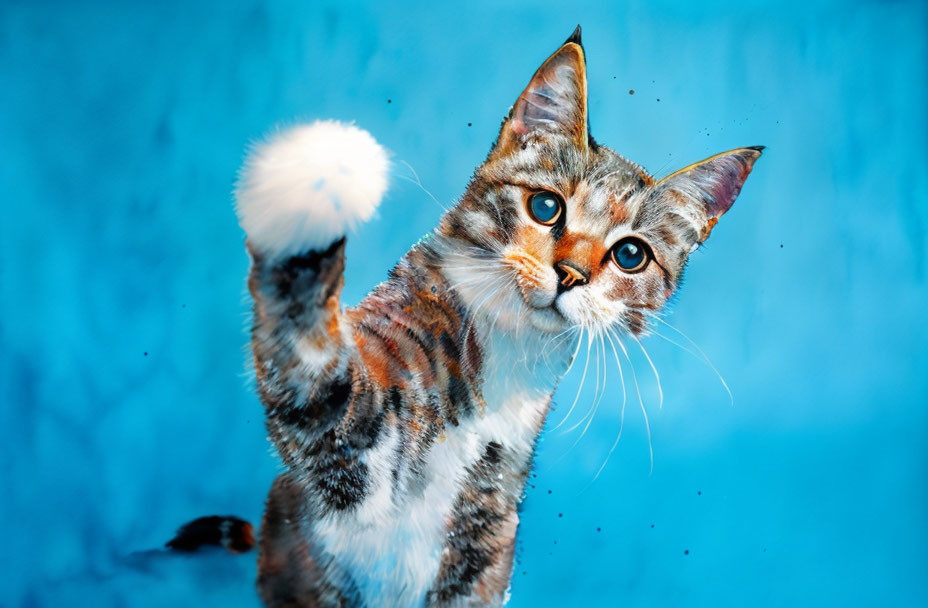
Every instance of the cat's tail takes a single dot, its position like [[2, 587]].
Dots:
[[233, 533]]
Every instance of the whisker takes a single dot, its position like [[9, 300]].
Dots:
[[675, 343], [473, 280], [647, 424], [418, 182], [615, 443], [597, 393], [573, 357], [657, 377], [597, 399], [582, 380], [703, 355], [564, 335]]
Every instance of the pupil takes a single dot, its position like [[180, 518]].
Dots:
[[629, 255], [544, 207]]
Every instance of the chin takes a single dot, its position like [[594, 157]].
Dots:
[[547, 320]]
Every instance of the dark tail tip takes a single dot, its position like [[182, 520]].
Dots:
[[575, 37], [233, 533]]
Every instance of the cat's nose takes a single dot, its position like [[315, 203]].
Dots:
[[570, 275]]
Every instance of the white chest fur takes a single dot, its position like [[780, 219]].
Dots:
[[392, 545]]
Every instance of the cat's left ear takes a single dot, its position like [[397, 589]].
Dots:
[[707, 189], [553, 103]]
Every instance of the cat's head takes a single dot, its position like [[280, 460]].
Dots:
[[556, 231]]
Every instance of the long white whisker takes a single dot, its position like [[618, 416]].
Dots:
[[597, 399], [488, 289], [705, 357], [582, 379], [677, 344], [615, 443], [556, 340], [418, 182], [473, 280], [657, 377], [647, 424], [573, 357], [597, 394]]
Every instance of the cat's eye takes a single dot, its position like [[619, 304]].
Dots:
[[545, 208], [631, 254]]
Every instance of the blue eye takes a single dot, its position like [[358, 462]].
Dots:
[[631, 254], [545, 208]]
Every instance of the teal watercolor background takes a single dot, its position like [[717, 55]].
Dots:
[[126, 408]]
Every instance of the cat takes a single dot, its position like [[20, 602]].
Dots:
[[407, 424]]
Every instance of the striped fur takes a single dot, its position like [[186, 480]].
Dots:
[[408, 423]]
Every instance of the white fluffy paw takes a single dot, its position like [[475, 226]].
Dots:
[[309, 185]]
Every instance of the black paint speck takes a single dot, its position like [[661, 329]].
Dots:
[[560, 515], [599, 529], [549, 491], [631, 91], [781, 245], [470, 124], [145, 354], [687, 552], [658, 98], [699, 493], [652, 525], [389, 101]]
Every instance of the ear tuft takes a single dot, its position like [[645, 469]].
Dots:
[[710, 187], [575, 37]]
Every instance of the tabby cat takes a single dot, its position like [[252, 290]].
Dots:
[[407, 424]]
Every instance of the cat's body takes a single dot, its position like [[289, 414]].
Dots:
[[408, 423]]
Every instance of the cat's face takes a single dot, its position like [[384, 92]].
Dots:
[[556, 232]]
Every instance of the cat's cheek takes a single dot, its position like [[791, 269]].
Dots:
[[537, 283]]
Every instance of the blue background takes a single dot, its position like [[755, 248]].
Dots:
[[126, 407]]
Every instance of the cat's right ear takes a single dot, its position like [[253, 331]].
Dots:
[[553, 103]]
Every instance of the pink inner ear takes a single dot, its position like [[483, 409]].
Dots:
[[715, 182], [553, 103], [517, 126], [728, 176], [723, 197]]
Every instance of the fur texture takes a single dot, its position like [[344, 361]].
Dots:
[[309, 185], [408, 423]]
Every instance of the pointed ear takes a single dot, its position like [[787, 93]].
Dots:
[[553, 103], [708, 189]]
